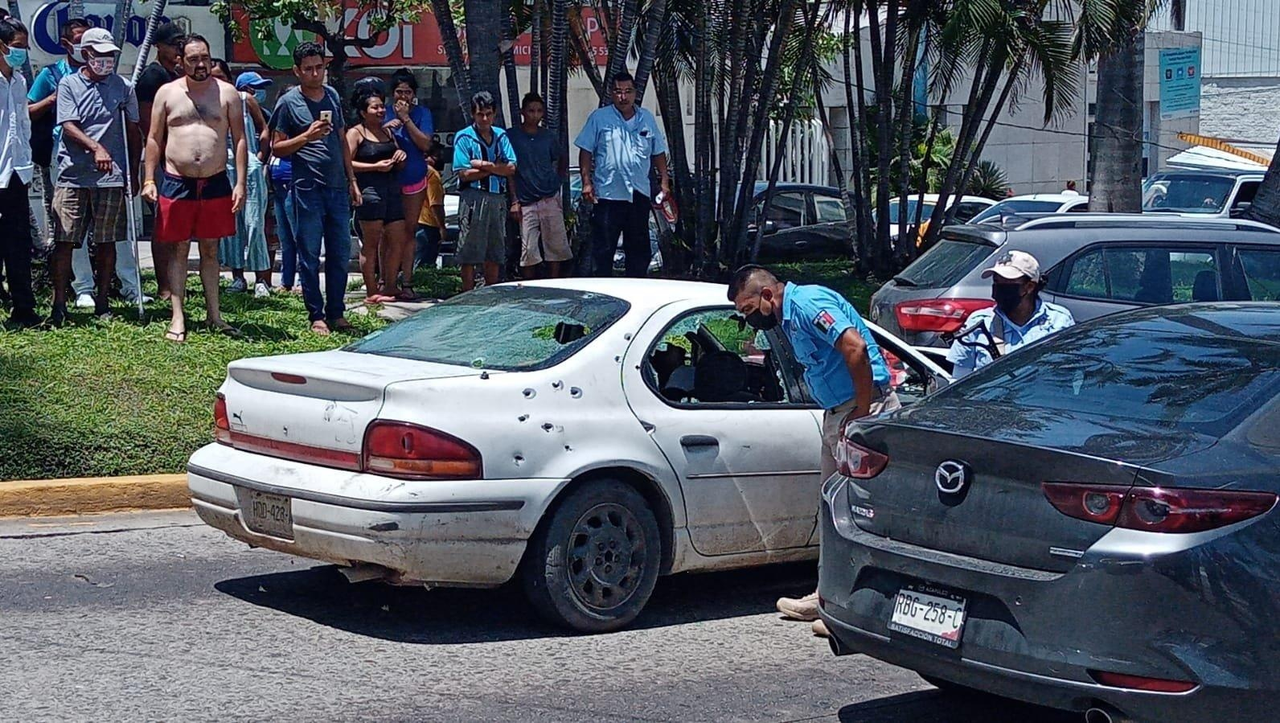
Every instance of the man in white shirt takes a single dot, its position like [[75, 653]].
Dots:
[[16, 171]]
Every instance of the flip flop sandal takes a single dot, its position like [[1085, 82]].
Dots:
[[177, 337]]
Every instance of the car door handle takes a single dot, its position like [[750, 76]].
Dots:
[[699, 440]]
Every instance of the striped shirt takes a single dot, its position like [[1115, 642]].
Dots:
[[468, 146]]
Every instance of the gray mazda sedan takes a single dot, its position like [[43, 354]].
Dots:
[[1087, 524]]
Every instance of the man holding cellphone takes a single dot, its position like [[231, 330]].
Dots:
[[324, 186]]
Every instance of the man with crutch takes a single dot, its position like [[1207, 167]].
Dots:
[[98, 112]]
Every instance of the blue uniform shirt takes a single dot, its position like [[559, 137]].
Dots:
[[468, 147], [813, 318], [45, 85], [1048, 319], [621, 151]]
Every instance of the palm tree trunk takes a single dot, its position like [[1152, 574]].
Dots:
[[453, 50], [535, 48], [484, 35], [905, 125], [860, 219], [656, 18], [621, 43], [557, 62], [1116, 185], [705, 208], [578, 44], [507, 49]]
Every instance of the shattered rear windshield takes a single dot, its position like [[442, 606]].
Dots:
[[510, 328]]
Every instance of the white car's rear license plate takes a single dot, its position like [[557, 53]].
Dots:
[[269, 514], [936, 616]]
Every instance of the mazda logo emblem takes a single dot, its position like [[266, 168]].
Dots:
[[951, 477]]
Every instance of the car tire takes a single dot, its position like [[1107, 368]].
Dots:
[[593, 563]]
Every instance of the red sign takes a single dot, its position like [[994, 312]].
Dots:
[[410, 44]]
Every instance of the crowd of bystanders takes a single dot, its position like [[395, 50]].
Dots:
[[217, 168]]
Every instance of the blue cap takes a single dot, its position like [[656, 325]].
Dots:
[[252, 80]]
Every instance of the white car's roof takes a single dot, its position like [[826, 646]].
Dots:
[[1055, 197], [933, 198], [642, 293]]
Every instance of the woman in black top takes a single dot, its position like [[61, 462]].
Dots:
[[377, 160]]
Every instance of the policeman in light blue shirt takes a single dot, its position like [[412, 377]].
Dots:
[[1019, 317], [843, 367], [616, 148]]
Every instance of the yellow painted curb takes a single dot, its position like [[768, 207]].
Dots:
[[67, 497]]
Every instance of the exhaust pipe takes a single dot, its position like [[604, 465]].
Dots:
[[1102, 713]]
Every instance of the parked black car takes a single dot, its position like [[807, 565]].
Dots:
[[1087, 524], [804, 222]]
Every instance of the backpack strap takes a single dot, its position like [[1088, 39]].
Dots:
[[997, 333]]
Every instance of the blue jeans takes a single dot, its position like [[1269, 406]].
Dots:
[[282, 201], [323, 214], [428, 246]]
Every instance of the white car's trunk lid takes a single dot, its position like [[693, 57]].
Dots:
[[315, 407]]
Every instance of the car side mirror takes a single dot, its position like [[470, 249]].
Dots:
[[770, 228], [1239, 209]]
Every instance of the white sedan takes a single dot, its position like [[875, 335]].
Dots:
[[587, 435]]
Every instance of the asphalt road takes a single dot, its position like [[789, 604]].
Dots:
[[156, 617]]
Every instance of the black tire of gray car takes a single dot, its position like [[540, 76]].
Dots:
[[592, 565]]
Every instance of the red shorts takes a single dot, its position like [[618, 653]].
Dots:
[[194, 208]]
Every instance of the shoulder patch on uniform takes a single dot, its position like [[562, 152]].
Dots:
[[824, 321]]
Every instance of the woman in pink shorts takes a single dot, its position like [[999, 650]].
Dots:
[[411, 125]]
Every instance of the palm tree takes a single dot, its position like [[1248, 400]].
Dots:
[[1113, 35], [656, 16], [1116, 181], [453, 50], [506, 49], [621, 44], [484, 38]]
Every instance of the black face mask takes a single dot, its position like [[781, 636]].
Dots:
[[761, 321], [1007, 296]]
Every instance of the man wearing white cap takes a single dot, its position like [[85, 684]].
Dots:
[[96, 109], [1019, 317]]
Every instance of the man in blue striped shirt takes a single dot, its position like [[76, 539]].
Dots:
[[484, 160]]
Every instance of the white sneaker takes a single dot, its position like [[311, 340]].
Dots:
[[261, 291], [85, 301], [133, 299]]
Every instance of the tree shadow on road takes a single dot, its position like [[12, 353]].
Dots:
[[935, 706], [451, 616]]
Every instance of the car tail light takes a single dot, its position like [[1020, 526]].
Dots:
[[938, 315], [221, 422], [854, 460], [399, 449], [1157, 509], [1137, 682]]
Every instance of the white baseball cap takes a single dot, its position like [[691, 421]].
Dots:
[[100, 40], [1015, 265]]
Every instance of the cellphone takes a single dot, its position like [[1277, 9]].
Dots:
[[326, 116]]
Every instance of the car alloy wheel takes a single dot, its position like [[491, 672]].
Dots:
[[593, 561], [606, 556]]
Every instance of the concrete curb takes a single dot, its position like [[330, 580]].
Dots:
[[69, 497]]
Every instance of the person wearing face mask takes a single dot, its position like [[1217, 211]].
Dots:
[[16, 172], [42, 101], [96, 109], [843, 367], [1019, 317]]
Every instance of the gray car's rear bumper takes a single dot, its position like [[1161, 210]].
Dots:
[[1035, 636]]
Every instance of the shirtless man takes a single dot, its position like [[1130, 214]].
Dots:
[[189, 121]]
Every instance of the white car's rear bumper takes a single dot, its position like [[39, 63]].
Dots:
[[467, 533]]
